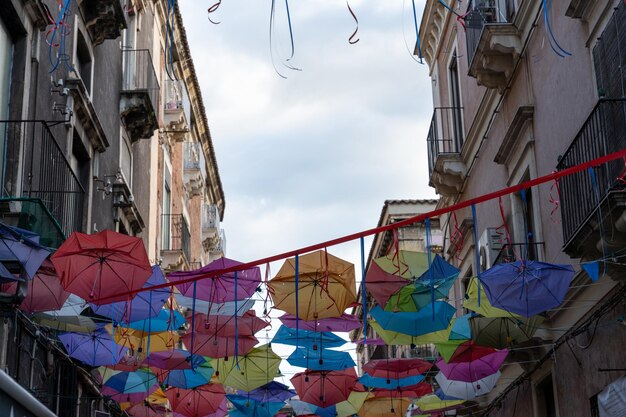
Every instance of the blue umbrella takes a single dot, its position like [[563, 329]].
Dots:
[[190, 378], [130, 382], [252, 408], [166, 320], [94, 349], [415, 323], [273, 391], [527, 287], [22, 246], [390, 383], [321, 359], [307, 338], [460, 329], [145, 305]]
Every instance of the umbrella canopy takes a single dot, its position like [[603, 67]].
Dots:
[[218, 288], [400, 339], [218, 346], [470, 351], [396, 368], [474, 370], [527, 287], [411, 391], [141, 380], [142, 410], [165, 320], [101, 266], [467, 390], [258, 367], [385, 407], [229, 308], [94, 349], [326, 286], [306, 338], [190, 378], [247, 324], [44, 292], [432, 404], [197, 402], [272, 391], [145, 305], [485, 308], [321, 359], [22, 246], [346, 408], [502, 332], [390, 383], [143, 342], [345, 323], [253, 408], [130, 397], [415, 323], [460, 329], [174, 359], [325, 388]]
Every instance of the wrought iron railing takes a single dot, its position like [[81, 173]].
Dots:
[[210, 217], [445, 135], [177, 98], [603, 132], [176, 236], [481, 13], [139, 75], [36, 167], [512, 252]]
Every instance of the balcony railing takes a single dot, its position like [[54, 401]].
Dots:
[[38, 168], [177, 98], [511, 252], [210, 217], [603, 132], [192, 155], [445, 135], [140, 94], [176, 236], [481, 13]]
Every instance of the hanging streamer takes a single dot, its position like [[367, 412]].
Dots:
[[363, 290], [554, 198], [554, 44], [212, 9], [351, 39], [457, 239], [476, 250], [61, 28], [430, 262]]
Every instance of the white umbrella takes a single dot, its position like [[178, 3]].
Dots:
[[467, 390]]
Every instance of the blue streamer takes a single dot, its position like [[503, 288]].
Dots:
[[551, 38], [417, 34], [363, 291], [430, 262], [476, 251], [297, 278], [149, 322], [112, 344], [236, 327]]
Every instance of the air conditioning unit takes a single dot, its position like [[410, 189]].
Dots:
[[101, 414], [489, 246]]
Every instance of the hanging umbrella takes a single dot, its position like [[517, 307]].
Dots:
[[388, 274], [69, 318], [190, 378], [467, 390], [142, 410], [326, 286], [390, 383], [306, 338], [346, 408], [165, 320], [129, 397], [301, 408], [250, 407], [502, 332], [325, 388], [247, 325], [345, 323], [218, 346], [430, 404], [396, 368], [140, 381], [394, 406], [174, 359], [460, 329], [415, 323], [143, 342], [95, 349], [227, 308], [527, 287], [44, 291], [272, 391], [400, 339], [411, 391], [485, 308], [474, 370], [197, 402], [145, 305], [321, 359], [256, 368], [21, 246], [218, 288], [470, 351], [101, 266]]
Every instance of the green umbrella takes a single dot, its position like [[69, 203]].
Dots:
[[400, 339], [258, 367], [485, 308], [503, 332], [447, 348]]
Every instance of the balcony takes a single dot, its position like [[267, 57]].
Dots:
[[40, 191], [194, 168], [176, 242], [445, 141], [177, 109], [104, 19], [139, 95], [493, 43], [593, 213], [210, 226]]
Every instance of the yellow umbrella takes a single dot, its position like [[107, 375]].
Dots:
[[352, 405], [157, 399], [485, 309], [433, 403], [326, 286], [395, 338], [385, 407], [140, 341], [258, 367]]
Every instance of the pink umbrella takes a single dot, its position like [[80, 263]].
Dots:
[[218, 288], [199, 402], [218, 346], [130, 397], [224, 326], [142, 410], [45, 292], [173, 359], [345, 323], [325, 388], [473, 370]]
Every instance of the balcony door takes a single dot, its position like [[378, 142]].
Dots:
[[455, 104], [6, 62]]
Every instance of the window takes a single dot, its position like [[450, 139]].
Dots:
[[126, 160], [544, 390], [455, 103], [609, 57], [84, 61]]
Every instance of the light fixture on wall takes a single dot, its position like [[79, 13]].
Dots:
[[106, 186]]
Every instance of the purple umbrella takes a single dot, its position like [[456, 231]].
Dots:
[[474, 370], [93, 349], [145, 305], [22, 246], [128, 397], [174, 359], [271, 392], [221, 287], [345, 323], [527, 288]]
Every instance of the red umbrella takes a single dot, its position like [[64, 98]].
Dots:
[[44, 292], [325, 388], [412, 391], [143, 410], [469, 352], [218, 346], [217, 325], [101, 266], [396, 368], [198, 402]]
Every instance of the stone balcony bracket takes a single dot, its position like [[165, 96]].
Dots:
[[448, 175], [104, 19], [496, 56]]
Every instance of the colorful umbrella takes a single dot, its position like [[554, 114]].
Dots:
[[470, 351], [190, 378], [346, 408], [460, 329], [218, 288], [165, 320], [145, 305], [22, 246], [430, 404], [140, 381], [326, 286], [143, 342], [485, 308], [415, 323], [400, 339], [345, 323], [102, 266], [396, 368], [390, 383], [217, 346], [250, 407], [321, 359], [95, 349], [467, 390], [502, 332], [131, 397], [474, 370], [325, 388], [527, 287], [216, 309], [174, 359], [247, 324], [258, 367], [394, 406], [411, 391], [197, 402], [44, 292], [142, 410], [272, 391], [306, 338]]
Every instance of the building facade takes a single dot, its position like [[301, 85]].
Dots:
[[520, 92], [102, 126]]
